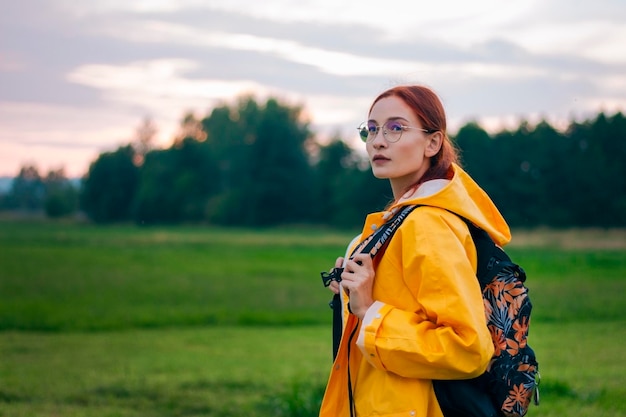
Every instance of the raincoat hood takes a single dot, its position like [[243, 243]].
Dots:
[[464, 197]]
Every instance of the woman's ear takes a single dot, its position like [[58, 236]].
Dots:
[[433, 144]]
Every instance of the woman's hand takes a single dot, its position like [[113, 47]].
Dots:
[[358, 279]]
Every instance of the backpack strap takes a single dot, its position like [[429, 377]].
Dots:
[[375, 242], [372, 245]]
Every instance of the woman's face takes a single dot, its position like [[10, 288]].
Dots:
[[405, 161]]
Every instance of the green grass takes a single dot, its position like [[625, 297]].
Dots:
[[233, 371], [575, 286], [58, 277], [210, 371], [192, 321], [583, 368]]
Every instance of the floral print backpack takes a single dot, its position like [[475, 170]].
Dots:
[[512, 378]]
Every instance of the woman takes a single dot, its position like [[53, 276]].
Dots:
[[416, 312]]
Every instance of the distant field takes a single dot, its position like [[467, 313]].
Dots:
[[571, 239], [194, 321], [64, 277]]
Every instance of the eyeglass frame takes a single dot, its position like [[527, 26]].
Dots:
[[365, 127]]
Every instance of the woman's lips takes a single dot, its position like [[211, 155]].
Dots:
[[379, 159]]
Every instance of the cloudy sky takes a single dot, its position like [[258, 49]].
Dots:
[[78, 77]]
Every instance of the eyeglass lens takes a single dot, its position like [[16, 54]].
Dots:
[[392, 130]]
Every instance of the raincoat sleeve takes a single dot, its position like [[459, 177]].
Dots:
[[441, 333]]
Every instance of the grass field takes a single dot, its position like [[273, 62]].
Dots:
[[192, 321]]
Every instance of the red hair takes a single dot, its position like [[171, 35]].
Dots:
[[429, 110]]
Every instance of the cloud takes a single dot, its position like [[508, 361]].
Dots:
[[53, 136], [159, 85], [77, 73], [36, 123]]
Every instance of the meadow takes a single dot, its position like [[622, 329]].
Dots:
[[201, 321]]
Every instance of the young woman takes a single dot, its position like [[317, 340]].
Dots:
[[415, 313]]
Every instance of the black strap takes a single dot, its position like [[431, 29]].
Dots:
[[372, 245], [350, 391], [380, 237], [335, 304]]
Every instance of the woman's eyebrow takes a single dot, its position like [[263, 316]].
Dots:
[[390, 118]]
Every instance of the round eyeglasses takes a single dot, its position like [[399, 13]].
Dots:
[[392, 130]]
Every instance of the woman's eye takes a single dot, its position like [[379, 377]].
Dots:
[[394, 127], [372, 128]]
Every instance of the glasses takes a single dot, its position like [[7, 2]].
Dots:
[[392, 131]]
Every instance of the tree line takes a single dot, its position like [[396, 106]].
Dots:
[[253, 163]]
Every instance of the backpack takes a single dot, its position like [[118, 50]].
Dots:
[[512, 376]]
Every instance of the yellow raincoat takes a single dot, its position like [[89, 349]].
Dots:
[[428, 320]]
